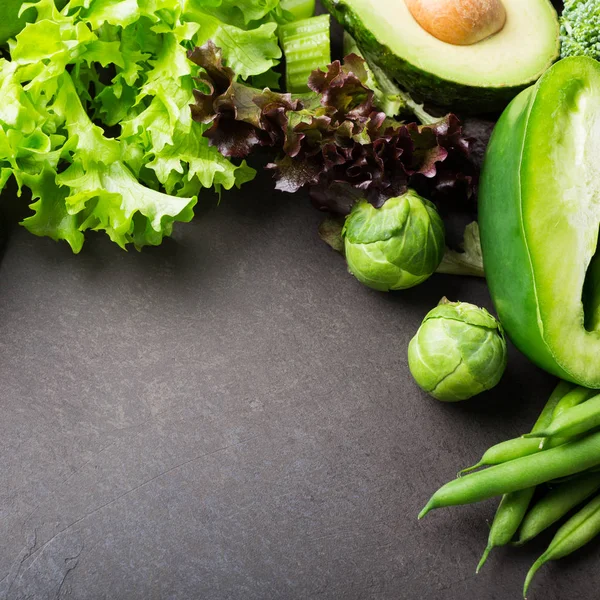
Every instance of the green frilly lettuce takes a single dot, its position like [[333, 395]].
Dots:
[[95, 117]]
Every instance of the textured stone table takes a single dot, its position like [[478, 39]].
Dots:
[[230, 416]]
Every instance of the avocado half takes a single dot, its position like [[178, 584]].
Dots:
[[539, 217], [482, 77]]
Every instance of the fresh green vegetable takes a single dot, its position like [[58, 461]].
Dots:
[[505, 452], [479, 77], [13, 18], [579, 27], [563, 395], [10, 21], [528, 471], [396, 246], [562, 390], [467, 262], [335, 140], [459, 351], [300, 9], [571, 470], [330, 231], [574, 421], [509, 516], [539, 220], [123, 67], [570, 400], [575, 533], [388, 96], [306, 47], [574, 398], [559, 501], [514, 505]]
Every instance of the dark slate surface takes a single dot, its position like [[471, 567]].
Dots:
[[231, 417]]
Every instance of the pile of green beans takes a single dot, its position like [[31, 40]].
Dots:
[[559, 458]]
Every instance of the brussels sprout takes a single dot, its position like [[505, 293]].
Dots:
[[396, 246], [458, 352]]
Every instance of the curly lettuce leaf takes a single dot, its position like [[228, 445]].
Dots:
[[98, 190], [334, 141], [249, 46], [249, 52], [95, 115], [239, 14], [196, 163]]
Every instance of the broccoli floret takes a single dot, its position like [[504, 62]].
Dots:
[[580, 29]]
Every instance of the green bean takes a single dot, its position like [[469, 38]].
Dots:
[[575, 533], [505, 451], [573, 421], [518, 447], [514, 505], [517, 503], [527, 471], [558, 480], [508, 517], [557, 503], [573, 398]]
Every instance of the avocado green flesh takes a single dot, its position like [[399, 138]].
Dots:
[[539, 211], [480, 77]]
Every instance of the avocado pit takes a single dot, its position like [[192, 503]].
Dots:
[[477, 78], [459, 22]]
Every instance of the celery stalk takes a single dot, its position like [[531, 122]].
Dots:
[[307, 46], [300, 9]]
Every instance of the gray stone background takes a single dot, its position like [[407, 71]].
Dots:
[[230, 416]]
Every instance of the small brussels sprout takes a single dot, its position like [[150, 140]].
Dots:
[[458, 352], [396, 246]]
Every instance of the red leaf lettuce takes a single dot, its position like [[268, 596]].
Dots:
[[335, 140]]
